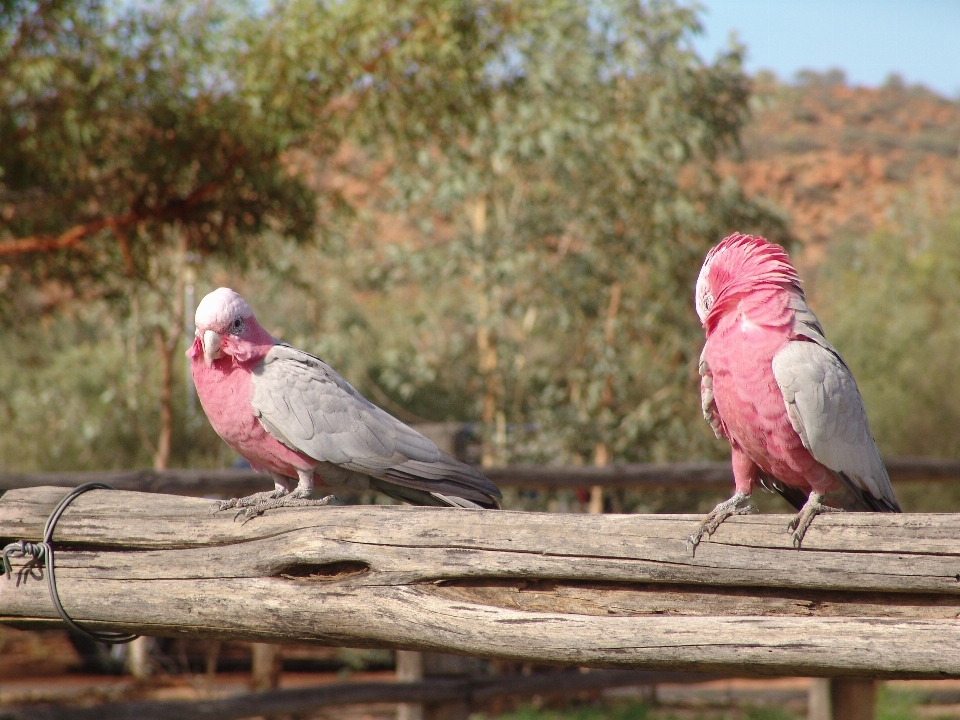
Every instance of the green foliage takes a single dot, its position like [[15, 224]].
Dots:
[[79, 392], [889, 303], [625, 711], [127, 151], [550, 197], [897, 704], [638, 711], [137, 124]]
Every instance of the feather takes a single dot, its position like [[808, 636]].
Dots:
[[333, 423]]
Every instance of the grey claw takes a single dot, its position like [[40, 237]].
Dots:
[[221, 505]]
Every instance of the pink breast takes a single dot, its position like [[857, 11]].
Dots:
[[740, 355], [224, 391]]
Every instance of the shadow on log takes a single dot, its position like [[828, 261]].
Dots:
[[873, 595]]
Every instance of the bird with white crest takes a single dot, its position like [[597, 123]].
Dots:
[[291, 415]]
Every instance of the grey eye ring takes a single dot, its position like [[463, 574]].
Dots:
[[236, 327]]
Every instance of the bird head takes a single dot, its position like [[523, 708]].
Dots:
[[225, 325], [737, 266]]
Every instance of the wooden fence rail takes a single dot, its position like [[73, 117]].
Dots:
[[689, 475], [471, 691], [868, 595]]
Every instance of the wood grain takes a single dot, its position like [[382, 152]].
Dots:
[[871, 595]]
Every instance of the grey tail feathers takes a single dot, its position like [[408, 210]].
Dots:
[[850, 497], [419, 496]]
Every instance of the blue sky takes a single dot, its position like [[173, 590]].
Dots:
[[867, 39]]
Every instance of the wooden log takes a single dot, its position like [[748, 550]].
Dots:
[[871, 595], [473, 691], [686, 476]]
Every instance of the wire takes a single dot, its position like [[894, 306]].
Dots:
[[41, 555]]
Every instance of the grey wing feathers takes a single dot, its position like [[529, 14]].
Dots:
[[825, 409], [307, 406]]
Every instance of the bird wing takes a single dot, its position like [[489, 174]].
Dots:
[[309, 407], [825, 409], [707, 401]]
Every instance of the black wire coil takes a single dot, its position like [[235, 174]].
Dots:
[[41, 555]]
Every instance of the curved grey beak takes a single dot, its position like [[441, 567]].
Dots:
[[211, 347]]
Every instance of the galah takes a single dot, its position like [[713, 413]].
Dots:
[[291, 415], [781, 395]]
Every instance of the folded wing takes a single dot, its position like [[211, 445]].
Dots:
[[826, 411], [306, 405]]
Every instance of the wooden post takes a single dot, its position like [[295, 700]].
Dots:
[[870, 594], [852, 698], [409, 669], [211, 657], [138, 658], [841, 699], [265, 666], [818, 700]]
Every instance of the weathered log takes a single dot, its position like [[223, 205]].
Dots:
[[473, 691], [686, 476], [872, 595]]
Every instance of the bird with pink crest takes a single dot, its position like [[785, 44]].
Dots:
[[779, 393]]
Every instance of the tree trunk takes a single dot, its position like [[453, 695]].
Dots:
[[167, 341], [161, 457]]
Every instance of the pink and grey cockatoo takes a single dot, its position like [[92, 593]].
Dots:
[[291, 415], [782, 396]]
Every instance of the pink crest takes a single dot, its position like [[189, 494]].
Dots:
[[741, 264]]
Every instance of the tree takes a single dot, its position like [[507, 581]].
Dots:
[[126, 153], [551, 195]]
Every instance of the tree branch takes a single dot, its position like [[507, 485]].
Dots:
[[78, 233]]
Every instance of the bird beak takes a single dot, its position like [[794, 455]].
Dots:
[[211, 347]]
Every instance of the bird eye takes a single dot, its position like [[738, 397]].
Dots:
[[236, 327], [708, 301]]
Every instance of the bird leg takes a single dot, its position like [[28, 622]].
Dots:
[[299, 497], [280, 489], [808, 512], [737, 505]]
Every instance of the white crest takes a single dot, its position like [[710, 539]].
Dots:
[[219, 308]]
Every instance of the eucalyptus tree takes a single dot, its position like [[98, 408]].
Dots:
[[527, 259], [126, 153]]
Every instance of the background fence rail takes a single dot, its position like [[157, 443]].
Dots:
[[690, 475]]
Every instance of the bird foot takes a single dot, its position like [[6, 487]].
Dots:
[[288, 500], [247, 501], [737, 505], [808, 512]]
